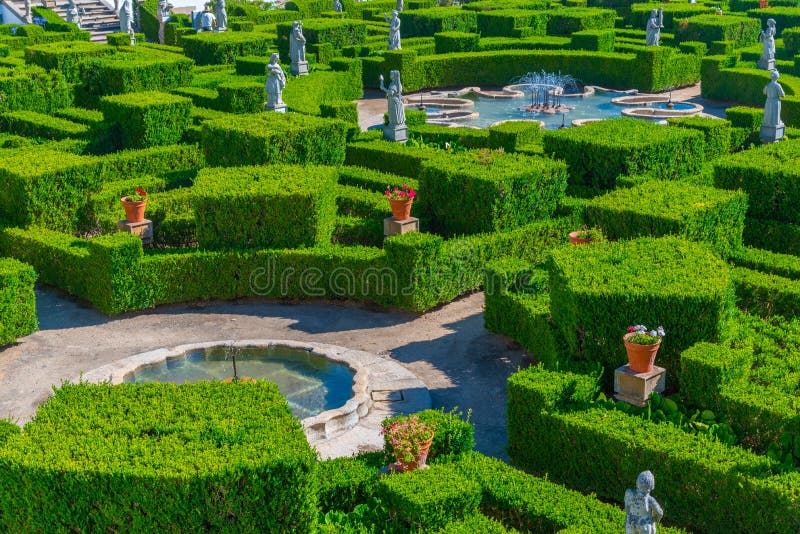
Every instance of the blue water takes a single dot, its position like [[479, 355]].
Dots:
[[597, 106], [310, 383]]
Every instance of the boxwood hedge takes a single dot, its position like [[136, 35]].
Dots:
[[226, 457], [147, 119], [17, 302]]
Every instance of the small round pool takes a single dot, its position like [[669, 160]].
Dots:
[[311, 383]]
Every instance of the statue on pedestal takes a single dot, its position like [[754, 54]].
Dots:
[[394, 30], [654, 26], [276, 81], [222, 15], [767, 38], [399, 6], [773, 129], [297, 50], [74, 13], [28, 17], [163, 17], [126, 16], [337, 6], [396, 130], [642, 511]]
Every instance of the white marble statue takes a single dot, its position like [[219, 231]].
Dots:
[[28, 16], [297, 43], [654, 25], [276, 81], [126, 16], [163, 17], [337, 6], [394, 30], [207, 20], [132, 35], [642, 511], [74, 13], [221, 13], [394, 97], [400, 6], [767, 38], [772, 109]]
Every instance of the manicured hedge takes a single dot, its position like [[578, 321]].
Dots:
[[598, 40], [224, 456], [675, 14], [766, 294], [784, 17], [143, 70], [427, 22], [33, 124], [212, 48], [717, 134], [709, 28], [34, 89], [488, 191], [659, 208], [567, 21], [772, 235], [679, 285], [337, 33], [65, 57], [603, 451], [229, 206], [770, 175], [447, 42], [17, 302], [274, 138], [147, 119], [598, 152], [241, 97], [504, 22]]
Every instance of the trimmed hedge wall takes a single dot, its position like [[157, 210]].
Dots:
[[143, 70], [717, 134], [147, 119], [602, 451], [39, 125], [509, 22], [224, 456], [771, 177], [274, 138], [567, 21], [229, 206], [427, 22], [240, 97], [659, 208], [709, 28], [488, 191], [213, 48], [65, 57], [448, 42], [679, 285], [597, 153], [336, 33], [17, 302], [34, 89]]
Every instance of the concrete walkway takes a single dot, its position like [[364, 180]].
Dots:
[[448, 349]]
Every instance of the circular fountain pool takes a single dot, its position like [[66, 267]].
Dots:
[[311, 383]]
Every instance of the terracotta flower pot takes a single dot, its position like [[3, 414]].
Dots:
[[418, 462], [401, 208], [134, 211], [575, 240], [640, 357]]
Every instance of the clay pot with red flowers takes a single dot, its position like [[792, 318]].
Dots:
[[642, 347], [400, 199], [134, 205]]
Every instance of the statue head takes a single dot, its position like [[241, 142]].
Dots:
[[394, 12], [295, 25], [394, 75], [771, 23], [774, 75], [654, 13], [645, 481], [274, 58]]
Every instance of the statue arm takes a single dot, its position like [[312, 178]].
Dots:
[[781, 94], [656, 510]]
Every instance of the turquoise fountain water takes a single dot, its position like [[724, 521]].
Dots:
[[310, 383]]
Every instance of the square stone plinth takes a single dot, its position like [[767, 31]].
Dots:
[[395, 133], [635, 388], [280, 108], [771, 134], [299, 69], [144, 229], [393, 227], [766, 65]]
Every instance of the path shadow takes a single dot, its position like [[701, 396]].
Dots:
[[58, 310]]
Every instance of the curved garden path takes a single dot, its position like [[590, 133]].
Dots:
[[461, 363]]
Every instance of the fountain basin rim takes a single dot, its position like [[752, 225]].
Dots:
[[655, 113], [323, 426]]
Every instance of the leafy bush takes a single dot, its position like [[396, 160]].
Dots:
[[17, 304], [772, 188], [33, 124], [65, 57], [148, 119], [504, 22], [229, 206], [513, 135], [717, 134], [143, 70], [430, 498], [225, 456], [344, 483], [567, 21], [241, 97], [213, 48], [598, 40], [598, 152], [34, 89], [667, 281], [709, 28], [551, 431], [451, 434], [488, 191], [659, 208], [274, 138], [766, 294], [447, 42], [427, 22]]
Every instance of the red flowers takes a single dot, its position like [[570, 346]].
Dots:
[[141, 191], [400, 193]]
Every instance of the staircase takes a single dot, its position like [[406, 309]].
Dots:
[[98, 18]]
